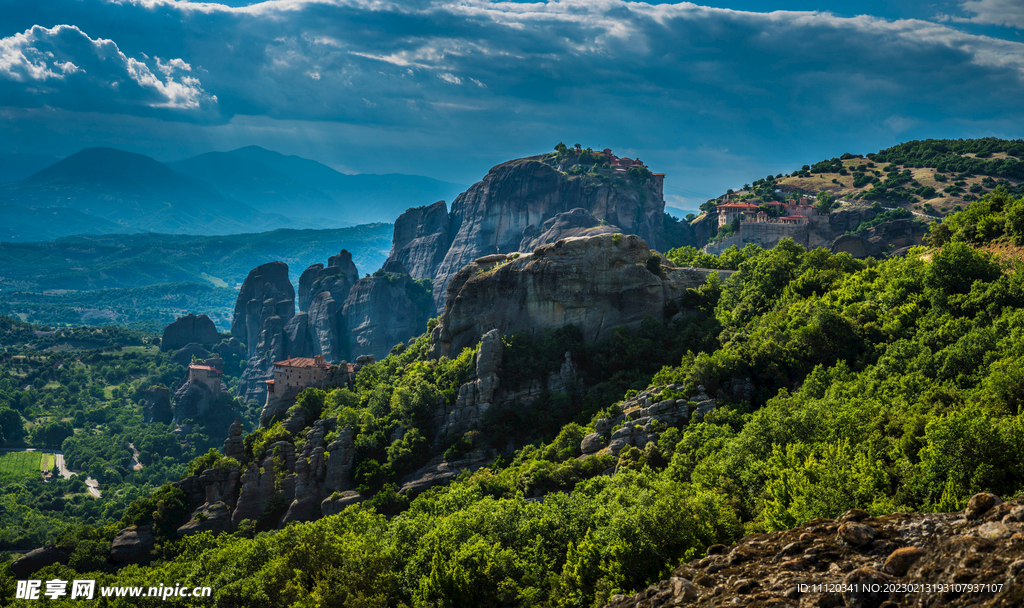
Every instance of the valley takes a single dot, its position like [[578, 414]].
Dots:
[[549, 393]]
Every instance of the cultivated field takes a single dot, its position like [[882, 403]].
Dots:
[[22, 464]]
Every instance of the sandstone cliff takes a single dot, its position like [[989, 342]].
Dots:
[[380, 312], [969, 558], [187, 330], [506, 212], [596, 283], [422, 240]]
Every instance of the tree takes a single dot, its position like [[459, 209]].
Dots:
[[561, 148], [825, 201]]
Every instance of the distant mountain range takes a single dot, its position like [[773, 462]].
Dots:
[[109, 191], [82, 263]]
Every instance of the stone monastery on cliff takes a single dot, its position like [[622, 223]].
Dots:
[[797, 220]]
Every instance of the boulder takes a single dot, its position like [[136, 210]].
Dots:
[[596, 283], [856, 245], [215, 518], [336, 503], [133, 545], [234, 445], [38, 559], [979, 504], [591, 443], [187, 330]]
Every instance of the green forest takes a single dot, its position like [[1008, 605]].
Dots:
[[892, 385], [78, 390]]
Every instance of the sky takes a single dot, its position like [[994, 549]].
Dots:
[[714, 95]]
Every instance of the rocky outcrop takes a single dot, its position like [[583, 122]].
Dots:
[[323, 326], [233, 445], [187, 330], [848, 219], [185, 354], [38, 559], [133, 545], [575, 222], [475, 397], [973, 558], [855, 245], [156, 405], [336, 503], [495, 213], [897, 234], [265, 305], [265, 293], [595, 283], [642, 415], [379, 312], [306, 285], [191, 401], [421, 240], [214, 518]]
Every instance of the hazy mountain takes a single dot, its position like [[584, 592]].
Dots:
[[263, 187], [17, 166], [137, 260], [364, 197], [21, 224], [136, 193]]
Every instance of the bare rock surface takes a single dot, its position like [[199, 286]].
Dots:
[[596, 283], [133, 545], [494, 214], [421, 240], [38, 559], [156, 405], [575, 222], [936, 560], [188, 329]]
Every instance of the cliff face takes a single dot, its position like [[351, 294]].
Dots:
[[496, 212], [379, 314], [596, 283], [506, 212], [344, 317], [969, 558]]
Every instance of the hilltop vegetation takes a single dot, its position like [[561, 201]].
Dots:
[[894, 385], [930, 176]]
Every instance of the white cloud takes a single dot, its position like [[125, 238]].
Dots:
[[450, 78], [996, 12], [82, 72]]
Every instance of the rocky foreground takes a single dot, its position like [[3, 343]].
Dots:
[[969, 558]]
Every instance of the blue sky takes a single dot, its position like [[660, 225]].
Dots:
[[713, 95]]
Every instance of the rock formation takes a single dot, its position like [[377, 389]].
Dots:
[[422, 239], [192, 400], [187, 330], [508, 209], [596, 283], [266, 303], [156, 405], [380, 312], [575, 222], [306, 285], [969, 558], [185, 354], [38, 559], [133, 545]]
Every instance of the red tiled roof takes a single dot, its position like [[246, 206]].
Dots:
[[205, 368], [299, 362]]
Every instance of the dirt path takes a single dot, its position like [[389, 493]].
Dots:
[[136, 465]]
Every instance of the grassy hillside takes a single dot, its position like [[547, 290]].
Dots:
[[939, 175]]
